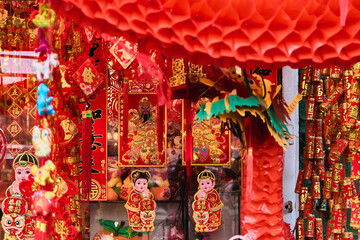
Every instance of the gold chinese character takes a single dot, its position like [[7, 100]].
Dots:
[[88, 75]]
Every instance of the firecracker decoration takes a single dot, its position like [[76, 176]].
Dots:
[[13, 219], [3, 144], [331, 150], [87, 77], [310, 227], [355, 214], [207, 205], [140, 204], [300, 229], [319, 235], [124, 52]]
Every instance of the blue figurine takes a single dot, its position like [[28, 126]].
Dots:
[[43, 102]]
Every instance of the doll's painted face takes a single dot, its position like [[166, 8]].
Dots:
[[206, 185], [22, 173], [140, 184]]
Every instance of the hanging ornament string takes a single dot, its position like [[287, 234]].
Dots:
[[86, 153], [249, 169]]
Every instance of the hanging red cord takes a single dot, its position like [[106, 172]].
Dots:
[[249, 169], [86, 153]]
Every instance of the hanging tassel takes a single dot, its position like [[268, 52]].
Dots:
[[188, 138], [164, 93], [249, 174], [344, 5], [86, 153], [125, 110]]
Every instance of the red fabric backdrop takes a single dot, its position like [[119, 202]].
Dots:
[[228, 32]]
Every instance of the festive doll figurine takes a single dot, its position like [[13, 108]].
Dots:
[[42, 141], [140, 205], [13, 220], [22, 166], [206, 180]]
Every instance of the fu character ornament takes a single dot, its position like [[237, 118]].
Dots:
[[209, 220], [13, 219], [140, 204]]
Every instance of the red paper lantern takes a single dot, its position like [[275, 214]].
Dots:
[[230, 32]]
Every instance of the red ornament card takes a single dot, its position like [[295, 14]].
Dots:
[[87, 77], [124, 52], [211, 146], [142, 131]]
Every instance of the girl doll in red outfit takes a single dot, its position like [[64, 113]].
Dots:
[[140, 180]]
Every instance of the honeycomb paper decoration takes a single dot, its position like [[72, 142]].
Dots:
[[229, 32]]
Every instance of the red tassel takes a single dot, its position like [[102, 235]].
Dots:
[[189, 140], [249, 174], [344, 5], [86, 153], [125, 110], [164, 93]]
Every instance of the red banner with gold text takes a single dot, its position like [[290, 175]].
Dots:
[[98, 107]]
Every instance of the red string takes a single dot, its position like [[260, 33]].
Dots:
[[86, 155]]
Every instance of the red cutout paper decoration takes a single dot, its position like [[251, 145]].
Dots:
[[124, 52], [2, 145], [231, 32], [87, 77]]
